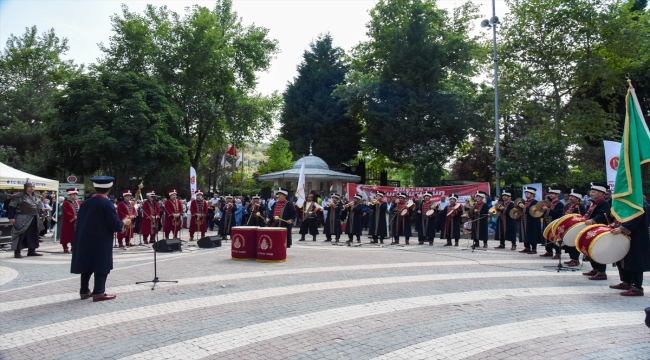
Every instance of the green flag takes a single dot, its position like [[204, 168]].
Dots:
[[627, 200]]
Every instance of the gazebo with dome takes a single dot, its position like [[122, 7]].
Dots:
[[317, 176]]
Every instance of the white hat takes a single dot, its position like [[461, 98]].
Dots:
[[530, 189], [282, 191]]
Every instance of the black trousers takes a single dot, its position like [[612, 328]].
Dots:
[[574, 254], [634, 278], [601, 268], [100, 283], [552, 247], [351, 236]]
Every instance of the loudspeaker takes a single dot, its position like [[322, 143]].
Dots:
[[209, 242], [167, 245]]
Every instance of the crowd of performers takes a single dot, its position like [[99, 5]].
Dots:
[[387, 220]]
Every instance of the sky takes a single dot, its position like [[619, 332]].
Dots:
[[294, 23]]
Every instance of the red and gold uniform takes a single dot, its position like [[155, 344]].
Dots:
[[126, 210], [199, 212], [150, 216], [173, 209], [69, 210]]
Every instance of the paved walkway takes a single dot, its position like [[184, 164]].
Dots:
[[325, 302]]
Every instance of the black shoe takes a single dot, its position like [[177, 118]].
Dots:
[[17, 255], [328, 240], [301, 240], [34, 254]]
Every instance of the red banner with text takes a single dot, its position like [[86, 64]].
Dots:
[[463, 191]]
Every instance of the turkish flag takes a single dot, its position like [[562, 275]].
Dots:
[[232, 151]]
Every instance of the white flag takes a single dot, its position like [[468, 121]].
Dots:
[[224, 163], [193, 182], [240, 159], [300, 192], [612, 152]]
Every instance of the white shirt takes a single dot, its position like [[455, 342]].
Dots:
[[444, 204]]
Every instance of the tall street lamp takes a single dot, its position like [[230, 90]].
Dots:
[[492, 23]]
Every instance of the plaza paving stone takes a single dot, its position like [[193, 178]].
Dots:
[[325, 302]]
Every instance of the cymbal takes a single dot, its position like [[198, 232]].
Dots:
[[537, 210], [518, 201], [515, 213]]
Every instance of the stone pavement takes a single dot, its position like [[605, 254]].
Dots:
[[325, 302]]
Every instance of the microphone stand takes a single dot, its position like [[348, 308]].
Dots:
[[156, 280], [475, 247]]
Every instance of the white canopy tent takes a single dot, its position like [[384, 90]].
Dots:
[[11, 178]]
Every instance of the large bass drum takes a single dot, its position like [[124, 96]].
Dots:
[[549, 231], [568, 228], [598, 242]]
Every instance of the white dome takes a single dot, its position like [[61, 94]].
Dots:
[[312, 162]]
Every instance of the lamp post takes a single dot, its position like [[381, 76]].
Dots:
[[492, 23]]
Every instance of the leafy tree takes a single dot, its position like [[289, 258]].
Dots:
[[539, 156], [410, 83], [123, 124], [31, 71], [474, 163], [310, 111], [279, 157], [209, 60]]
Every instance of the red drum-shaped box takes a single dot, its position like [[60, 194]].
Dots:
[[568, 227], [244, 242], [603, 247], [549, 231], [272, 244]]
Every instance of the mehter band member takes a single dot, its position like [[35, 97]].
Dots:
[[282, 213], [309, 220], [428, 211], [126, 209], [173, 208], [574, 207], [23, 213], [552, 213], [506, 226], [332, 224], [93, 242], [480, 220], [637, 260], [354, 222], [257, 213], [378, 229], [69, 210], [227, 217], [453, 213], [598, 213], [199, 215], [531, 229], [403, 216], [150, 216]]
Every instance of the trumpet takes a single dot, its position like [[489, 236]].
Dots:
[[374, 202], [330, 204], [349, 205]]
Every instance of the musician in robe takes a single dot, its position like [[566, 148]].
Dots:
[[377, 224], [598, 213], [637, 260], [574, 206], [416, 216], [531, 229], [480, 220], [309, 223], [227, 217], [198, 215], [506, 226], [552, 213], [173, 214], [257, 212], [332, 224], [23, 213], [453, 213], [126, 210], [354, 223], [402, 216], [150, 216], [427, 224], [69, 210], [282, 213]]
